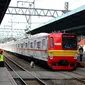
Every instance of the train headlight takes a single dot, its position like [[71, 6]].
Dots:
[[75, 56], [51, 55]]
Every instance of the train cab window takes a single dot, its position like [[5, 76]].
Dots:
[[51, 42], [69, 41]]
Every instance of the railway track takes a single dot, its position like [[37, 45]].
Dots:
[[80, 80], [73, 80], [41, 82], [22, 82]]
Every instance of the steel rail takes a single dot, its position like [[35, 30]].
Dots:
[[77, 79], [39, 80], [21, 79]]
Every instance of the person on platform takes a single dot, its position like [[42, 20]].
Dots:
[[1, 58], [81, 52]]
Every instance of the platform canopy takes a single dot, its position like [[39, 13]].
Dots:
[[73, 21], [3, 7]]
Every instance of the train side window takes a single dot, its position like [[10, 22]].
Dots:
[[51, 42], [38, 45], [31, 45], [18, 45]]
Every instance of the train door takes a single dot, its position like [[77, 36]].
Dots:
[[44, 44], [21, 48], [25, 50], [43, 54], [50, 43]]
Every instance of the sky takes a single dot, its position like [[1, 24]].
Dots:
[[45, 4]]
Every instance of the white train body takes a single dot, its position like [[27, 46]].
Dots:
[[34, 46]]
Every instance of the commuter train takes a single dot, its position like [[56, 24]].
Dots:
[[57, 50]]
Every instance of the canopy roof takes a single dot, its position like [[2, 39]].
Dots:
[[73, 21], [3, 7]]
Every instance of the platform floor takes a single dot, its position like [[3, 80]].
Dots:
[[81, 63], [5, 77]]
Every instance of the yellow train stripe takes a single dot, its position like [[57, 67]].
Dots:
[[62, 52]]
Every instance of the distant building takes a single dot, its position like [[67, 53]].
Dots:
[[82, 43]]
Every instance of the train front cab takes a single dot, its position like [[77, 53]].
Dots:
[[62, 51]]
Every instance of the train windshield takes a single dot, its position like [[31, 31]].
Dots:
[[69, 41]]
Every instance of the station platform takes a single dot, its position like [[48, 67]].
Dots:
[[5, 77], [81, 63]]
